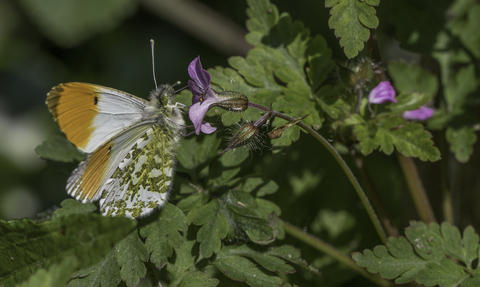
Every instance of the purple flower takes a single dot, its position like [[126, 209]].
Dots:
[[421, 114], [383, 92], [204, 98]]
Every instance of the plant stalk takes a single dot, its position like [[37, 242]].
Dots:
[[341, 162], [334, 253], [375, 195], [415, 186]]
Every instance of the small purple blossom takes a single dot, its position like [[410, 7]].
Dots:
[[421, 114], [383, 92], [203, 96]]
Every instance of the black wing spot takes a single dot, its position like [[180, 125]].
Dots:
[[95, 100]]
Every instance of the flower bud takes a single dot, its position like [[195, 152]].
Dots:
[[232, 101], [246, 134]]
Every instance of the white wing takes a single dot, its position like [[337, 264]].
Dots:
[[132, 173], [90, 115]]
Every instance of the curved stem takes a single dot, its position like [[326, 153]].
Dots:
[[341, 162], [333, 252]]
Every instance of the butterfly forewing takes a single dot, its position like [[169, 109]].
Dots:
[[89, 115]]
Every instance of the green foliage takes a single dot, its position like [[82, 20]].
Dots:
[[352, 20], [214, 227], [76, 21], [56, 275], [58, 148], [123, 263], [162, 235], [87, 236], [410, 139], [427, 256], [72, 206], [409, 78]]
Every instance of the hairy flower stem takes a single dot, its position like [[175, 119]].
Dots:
[[334, 253], [341, 162], [417, 192]]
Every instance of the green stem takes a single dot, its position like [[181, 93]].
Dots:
[[375, 195], [333, 252], [341, 162], [415, 186], [447, 202]]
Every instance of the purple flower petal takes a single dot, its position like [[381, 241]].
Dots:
[[200, 76], [421, 114], [196, 92], [383, 92], [206, 128], [197, 112]]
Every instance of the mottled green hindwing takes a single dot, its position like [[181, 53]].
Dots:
[[143, 179]]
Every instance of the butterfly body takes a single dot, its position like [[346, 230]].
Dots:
[[130, 145]]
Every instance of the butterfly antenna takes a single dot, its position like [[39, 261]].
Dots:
[[152, 44], [181, 89]]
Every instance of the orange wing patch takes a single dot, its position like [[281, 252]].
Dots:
[[74, 107], [94, 173]]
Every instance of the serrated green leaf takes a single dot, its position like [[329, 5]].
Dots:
[[270, 187], [298, 102], [162, 234], [262, 16], [464, 250], [443, 273], [195, 153], [241, 269], [427, 262], [225, 168], [409, 102], [410, 78], [72, 206], [58, 148], [87, 236], [76, 21], [184, 259], [464, 25], [57, 275], [410, 139], [242, 209], [123, 263], [214, 227], [461, 142], [192, 201], [460, 86], [328, 97], [320, 61], [368, 138], [267, 261], [352, 20], [199, 279]]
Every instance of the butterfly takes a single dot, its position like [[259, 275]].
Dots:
[[130, 145]]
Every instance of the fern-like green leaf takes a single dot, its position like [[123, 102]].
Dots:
[[425, 256], [162, 234], [352, 20]]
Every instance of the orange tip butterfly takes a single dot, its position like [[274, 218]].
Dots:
[[130, 145]]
